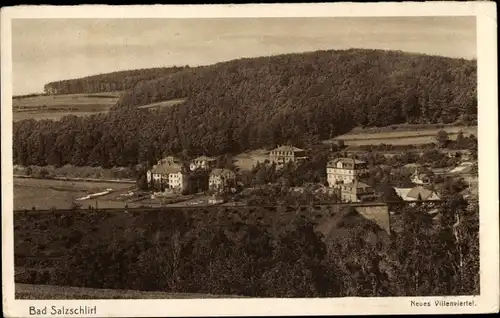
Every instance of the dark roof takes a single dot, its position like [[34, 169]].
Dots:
[[361, 185], [166, 168], [423, 192], [288, 148], [201, 158], [350, 161], [222, 172]]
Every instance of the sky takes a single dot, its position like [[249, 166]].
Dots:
[[45, 50]]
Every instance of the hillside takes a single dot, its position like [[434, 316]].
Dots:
[[57, 106], [276, 251], [248, 104]]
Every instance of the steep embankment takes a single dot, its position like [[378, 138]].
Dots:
[[253, 103]]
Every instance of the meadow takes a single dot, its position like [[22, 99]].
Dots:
[[55, 107], [400, 136], [167, 103], [45, 194], [246, 160]]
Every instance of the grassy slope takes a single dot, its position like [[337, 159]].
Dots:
[[163, 104], [46, 194], [57, 106], [359, 137]]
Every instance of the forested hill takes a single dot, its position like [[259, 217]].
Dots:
[[109, 82], [376, 87], [260, 102]]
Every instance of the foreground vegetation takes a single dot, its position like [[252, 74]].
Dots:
[[258, 252], [26, 291], [257, 103]]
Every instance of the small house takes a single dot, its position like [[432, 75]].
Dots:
[[284, 154], [203, 162], [221, 179]]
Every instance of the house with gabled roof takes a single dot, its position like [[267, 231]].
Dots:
[[168, 174], [203, 162], [284, 154], [344, 170], [357, 192], [221, 179], [417, 194]]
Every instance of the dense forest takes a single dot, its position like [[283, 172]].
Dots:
[[261, 253], [253, 103], [109, 82]]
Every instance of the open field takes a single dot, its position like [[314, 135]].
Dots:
[[404, 137], [246, 160], [408, 127], [167, 103], [48, 194], [57, 106], [28, 291]]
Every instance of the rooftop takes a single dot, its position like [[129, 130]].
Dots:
[[204, 158], [168, 159], [166, 168], [288, 148], [351, 161], [412, 194], [221, 172], [357, 184]]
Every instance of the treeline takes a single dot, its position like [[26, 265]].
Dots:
[[253, 254], [109, 82], [253, 103]]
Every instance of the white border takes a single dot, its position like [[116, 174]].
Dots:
[[488, 301]]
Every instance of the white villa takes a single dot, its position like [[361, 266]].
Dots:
[[168, 174], [344, 170]]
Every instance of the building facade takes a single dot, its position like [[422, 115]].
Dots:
[[284, 154], [221, 179], [168, 175], [345, 170], [203, 162], [420, 178], [357, 192]]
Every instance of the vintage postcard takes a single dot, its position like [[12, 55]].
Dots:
[[249, 160]]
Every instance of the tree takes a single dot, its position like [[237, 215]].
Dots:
[[44, 173], [442, 138], [142, 182], [461, 142], [75, 206], [388, 194]]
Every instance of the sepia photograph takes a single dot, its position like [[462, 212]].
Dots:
[[225, 157]]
